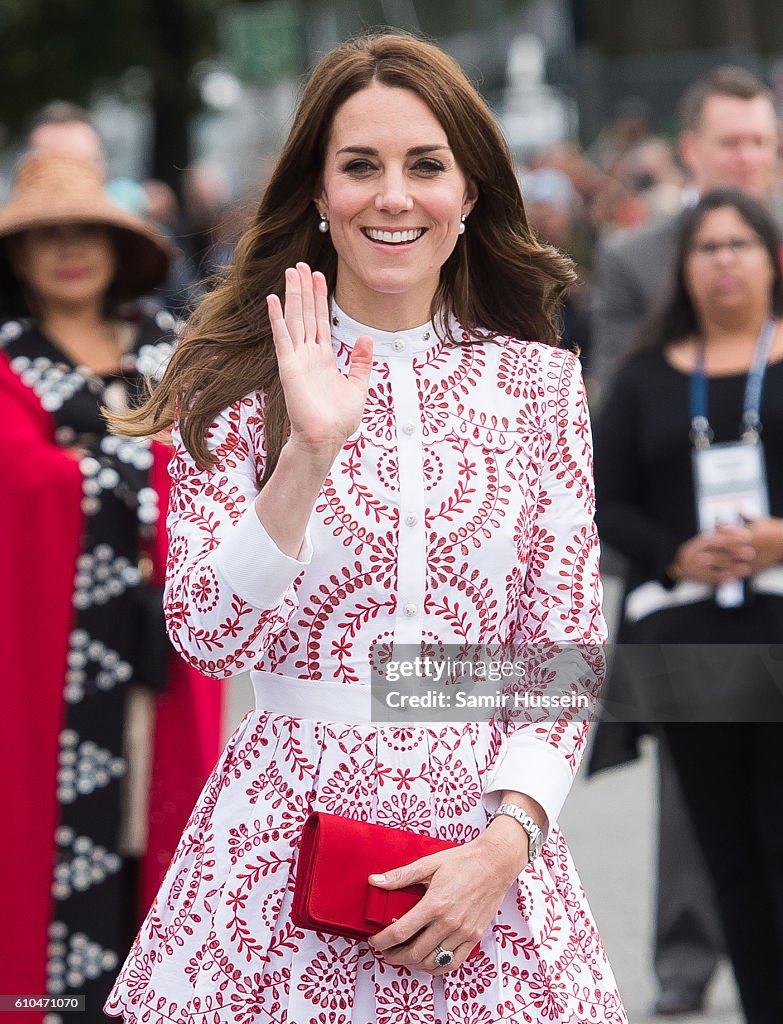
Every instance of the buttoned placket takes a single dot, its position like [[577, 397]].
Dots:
[[412, 547], [400, 351]]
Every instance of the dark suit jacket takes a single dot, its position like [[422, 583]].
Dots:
[[633, 273]]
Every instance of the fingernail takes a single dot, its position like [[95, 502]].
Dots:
[[378, 879]]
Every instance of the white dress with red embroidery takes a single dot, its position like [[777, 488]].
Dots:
[[461, 511]]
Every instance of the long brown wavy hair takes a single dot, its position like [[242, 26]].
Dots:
[[498, 278]]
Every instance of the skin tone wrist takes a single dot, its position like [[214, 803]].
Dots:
[[507, 834], [286, 503]]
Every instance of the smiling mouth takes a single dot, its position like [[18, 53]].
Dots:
[[393, 237]]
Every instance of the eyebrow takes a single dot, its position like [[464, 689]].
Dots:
[[414, 151]]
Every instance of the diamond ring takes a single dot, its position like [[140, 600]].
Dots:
[[443, 957]]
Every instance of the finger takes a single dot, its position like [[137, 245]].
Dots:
[[280, 335], [361, 365], [460, 949], [322, 314], [417, 872], [419, 948], [293, 307], [403, 930], [743, 559], [406, 928], [308, 301], [733, 534]]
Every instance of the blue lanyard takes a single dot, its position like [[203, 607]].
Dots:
[[750, 426]]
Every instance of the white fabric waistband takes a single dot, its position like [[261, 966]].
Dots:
[[322, 700], [654, 597]]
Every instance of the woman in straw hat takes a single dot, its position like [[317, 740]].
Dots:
[[87, 835], [395, 468]]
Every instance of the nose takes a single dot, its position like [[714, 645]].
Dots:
[[70, 236], [393, 195], [726, 254]]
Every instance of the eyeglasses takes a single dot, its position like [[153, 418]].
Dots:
[[736, 246]]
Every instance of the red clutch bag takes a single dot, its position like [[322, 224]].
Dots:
[[336, 854]]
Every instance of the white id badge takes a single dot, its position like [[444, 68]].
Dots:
[[731, 486], [730, 483]]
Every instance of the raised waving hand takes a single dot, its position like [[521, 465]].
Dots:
[[324, 405]]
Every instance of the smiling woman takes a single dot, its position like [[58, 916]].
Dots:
[[378, 441], [395, 208]]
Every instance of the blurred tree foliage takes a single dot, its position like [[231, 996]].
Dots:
[[60, 48], [666, 26]]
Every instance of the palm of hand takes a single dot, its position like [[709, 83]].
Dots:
[[324, 405]]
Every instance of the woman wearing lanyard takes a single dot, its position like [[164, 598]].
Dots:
[[689, 471]]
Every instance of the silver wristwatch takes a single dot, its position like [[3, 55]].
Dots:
[[534, 833]]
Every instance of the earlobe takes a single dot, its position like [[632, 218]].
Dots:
[[685, 146], [471, 197]]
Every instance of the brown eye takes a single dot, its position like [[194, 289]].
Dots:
[[358, 167], [429, 166]]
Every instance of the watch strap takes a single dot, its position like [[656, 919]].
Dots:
[[534, 833]]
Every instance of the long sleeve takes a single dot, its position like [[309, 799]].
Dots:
[[561, 629], [230, 590]]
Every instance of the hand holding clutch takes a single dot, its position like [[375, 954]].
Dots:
[[336, 855]]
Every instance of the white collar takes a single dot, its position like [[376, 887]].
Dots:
[[386, 344]]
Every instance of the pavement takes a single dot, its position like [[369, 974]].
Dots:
[[609, 822]]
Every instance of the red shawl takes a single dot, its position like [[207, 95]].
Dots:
[[40, 531]]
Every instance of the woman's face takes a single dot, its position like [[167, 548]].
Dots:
[[394, 196], [728, 270], [65, 264]]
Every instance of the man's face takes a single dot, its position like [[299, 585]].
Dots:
[[736, 143], [74, 138]]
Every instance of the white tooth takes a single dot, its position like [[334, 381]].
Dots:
[[394, 237]]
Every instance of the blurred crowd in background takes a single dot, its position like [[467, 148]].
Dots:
[[577, 198], [627, 187]]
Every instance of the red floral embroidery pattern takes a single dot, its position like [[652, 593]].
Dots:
[[510, 552]]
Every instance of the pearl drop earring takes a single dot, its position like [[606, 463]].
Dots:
[[323, 227], [462, 225]]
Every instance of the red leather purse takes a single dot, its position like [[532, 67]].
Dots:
[[336, 854]]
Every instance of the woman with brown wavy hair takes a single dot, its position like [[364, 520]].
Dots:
[[378, 460]]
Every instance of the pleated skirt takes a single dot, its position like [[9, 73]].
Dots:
[[219, 947]]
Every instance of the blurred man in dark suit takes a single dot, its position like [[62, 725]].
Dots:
[[729, 136]]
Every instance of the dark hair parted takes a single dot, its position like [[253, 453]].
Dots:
[[677, 319], [726, 80], [498, 277]]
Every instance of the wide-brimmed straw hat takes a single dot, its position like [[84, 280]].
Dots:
[[53, 188]]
